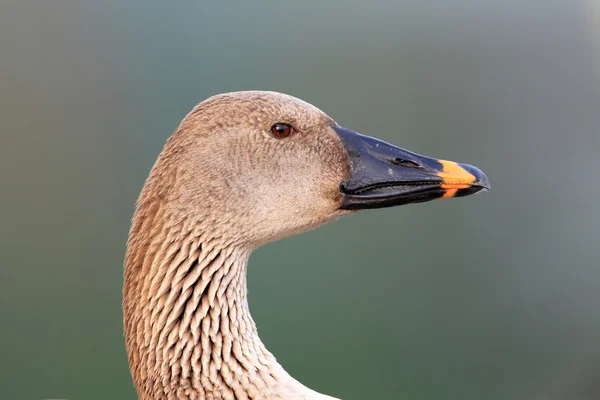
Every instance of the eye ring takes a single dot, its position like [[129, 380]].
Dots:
[[282, 130]]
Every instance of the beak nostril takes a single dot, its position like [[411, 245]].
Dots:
[[406, 163]]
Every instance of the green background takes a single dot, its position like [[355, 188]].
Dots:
[[488, 297]]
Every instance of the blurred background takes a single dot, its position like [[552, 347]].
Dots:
[[487, 297]]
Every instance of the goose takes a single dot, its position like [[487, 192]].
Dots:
[[241, 170]]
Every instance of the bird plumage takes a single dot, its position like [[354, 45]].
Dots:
[[223, 186]]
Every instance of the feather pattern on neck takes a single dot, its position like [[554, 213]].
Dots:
[[189, 331]]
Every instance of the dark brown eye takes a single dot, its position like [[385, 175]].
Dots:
[[281, 130]]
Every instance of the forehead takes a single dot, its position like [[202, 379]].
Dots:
[[258, 108]]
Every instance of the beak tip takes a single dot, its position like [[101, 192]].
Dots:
[[481, 179]]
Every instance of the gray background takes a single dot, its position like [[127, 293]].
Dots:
[[486, 297]]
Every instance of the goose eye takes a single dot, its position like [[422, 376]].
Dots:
[[281, 130]]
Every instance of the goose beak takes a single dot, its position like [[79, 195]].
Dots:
[[383, 175]]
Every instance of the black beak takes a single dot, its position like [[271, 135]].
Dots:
[[383, 175]]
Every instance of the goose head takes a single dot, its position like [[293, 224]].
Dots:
[[244, 169], [264, 165]]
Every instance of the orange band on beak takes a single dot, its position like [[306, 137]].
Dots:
[[455, 177]]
